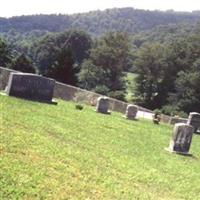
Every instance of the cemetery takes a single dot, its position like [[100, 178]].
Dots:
[[58, 152], [99, 100]]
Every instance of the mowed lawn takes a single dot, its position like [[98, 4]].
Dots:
[[58, 152]]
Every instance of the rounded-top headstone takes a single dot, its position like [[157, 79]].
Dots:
[[103, 105], [194, 120], [131, 111], [181, 138]]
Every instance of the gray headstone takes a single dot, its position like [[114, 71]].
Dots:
[[131, 112], [181, 138], [194, 120], [102, 105], [30, 86]]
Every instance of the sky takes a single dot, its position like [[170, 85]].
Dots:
[[10, 8]]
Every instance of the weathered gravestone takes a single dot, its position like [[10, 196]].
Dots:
[[194, 120], [31, 87], [102, 105], [181, 139], [131, 112]]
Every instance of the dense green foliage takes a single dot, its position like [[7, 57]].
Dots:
[[5, 54], [187, 96], [23, 64], [59, 152], [169, 74], [166, 33], [59, 55]]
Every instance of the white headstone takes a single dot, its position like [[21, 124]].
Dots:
[[131, 111], [103, 105]]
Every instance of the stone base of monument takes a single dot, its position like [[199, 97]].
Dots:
[[130, 118], [178, 152], [102, 112], [31, 87], [53, 102]]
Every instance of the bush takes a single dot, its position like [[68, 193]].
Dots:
[[101, 89], [120, 95], [79, 107], [173, 110]]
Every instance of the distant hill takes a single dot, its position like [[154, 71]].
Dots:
[[98, 22], [166, 33]]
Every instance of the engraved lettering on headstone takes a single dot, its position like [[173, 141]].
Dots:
[[30, 86], [102, 105], [181, 138], [194, 120], [131, 112]]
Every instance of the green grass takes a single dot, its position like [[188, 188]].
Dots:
[[58, 152], [130, 86]]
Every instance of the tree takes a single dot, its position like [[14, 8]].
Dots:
[[45, 51], [106, 65], [78, 43], [187, 96], [151, 71], [23, 64], [167, 76], [91, 76], [63, 69], [60, 55], [5, 54]]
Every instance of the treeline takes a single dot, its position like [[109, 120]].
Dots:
[[166, 33], [128, 20], [73, 57], [167, 65], [169, 75], [166, 60]]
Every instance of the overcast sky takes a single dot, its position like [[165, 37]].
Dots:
[[10, 8]]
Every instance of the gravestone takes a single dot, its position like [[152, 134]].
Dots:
[[102, 105], [131, 112], [181, 139], [31, 87], [194, 120]]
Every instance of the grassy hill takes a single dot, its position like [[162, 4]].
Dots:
[[58, 152]]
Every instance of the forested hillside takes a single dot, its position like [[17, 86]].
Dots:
[[98, 22], [166, 33]]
